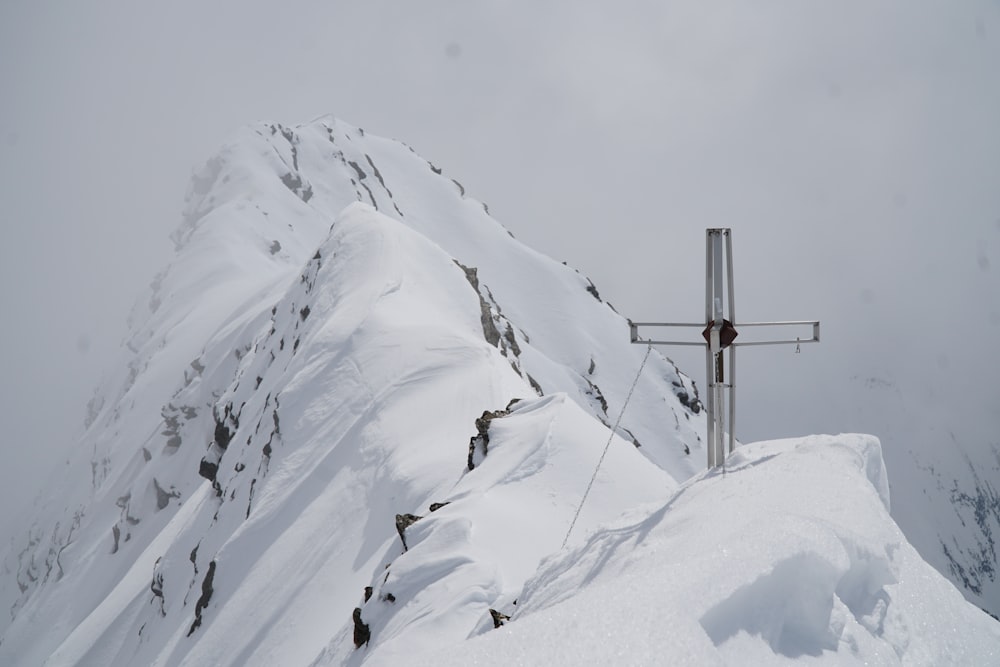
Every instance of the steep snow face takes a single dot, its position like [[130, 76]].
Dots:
[[299, 375], [945, 488], [791, 556]]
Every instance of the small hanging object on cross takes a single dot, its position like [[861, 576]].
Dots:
[[719, 330]]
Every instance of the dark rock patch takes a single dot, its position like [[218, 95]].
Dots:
[[208, 470], [512, 341], [498, 618], [362, 633], [206, 596], [490, 331], [436, 506], [163, 497], [596, 393], [361, 174], [593, 289], [482, 437], [404, 521], [378, 175], [368, 593], [253, 483], [156, 586]]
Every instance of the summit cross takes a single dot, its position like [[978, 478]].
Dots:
[[720, 331]]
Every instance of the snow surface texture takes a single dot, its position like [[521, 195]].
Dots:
[[790, 556], [314, 416]]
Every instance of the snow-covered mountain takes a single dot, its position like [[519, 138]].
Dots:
[[354, 409], [944, 471]]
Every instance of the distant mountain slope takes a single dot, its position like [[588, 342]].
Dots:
[[945, 484], [305, 369]]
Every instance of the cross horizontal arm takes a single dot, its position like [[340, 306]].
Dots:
[[634, 332], [794, 341]]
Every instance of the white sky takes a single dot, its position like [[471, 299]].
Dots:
[[853, 146]]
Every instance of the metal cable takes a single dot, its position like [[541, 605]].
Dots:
[[649, 348]]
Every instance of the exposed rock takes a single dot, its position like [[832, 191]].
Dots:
[[156, 586], [208, 470], [593, 289], [632, 437], [595, 392], [362, 633], [368, 593], [498, 618], [206, 596], [490, 331], [163, 497], [389, 597], [482, 436], [222, 433], [436, 506], [508, 336], [404, 521], [378, 175]]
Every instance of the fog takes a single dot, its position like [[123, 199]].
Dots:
[[853, 147]]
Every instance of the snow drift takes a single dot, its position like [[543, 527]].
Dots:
[[788, 556]]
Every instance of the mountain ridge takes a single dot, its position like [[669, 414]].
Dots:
[[351, 390]]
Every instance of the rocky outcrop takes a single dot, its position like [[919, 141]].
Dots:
[[404, 521], [481, 441], [498, 618], [206, 596], [362, 633]]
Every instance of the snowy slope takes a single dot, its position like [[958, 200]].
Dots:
[[944, 470], [302, 369], [313, 422], [791, 556]]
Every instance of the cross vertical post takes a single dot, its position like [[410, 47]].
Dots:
[[719, 333]]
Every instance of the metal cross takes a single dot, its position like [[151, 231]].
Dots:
[[720, 332]]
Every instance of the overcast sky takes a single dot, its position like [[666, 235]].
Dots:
[[853, 147]]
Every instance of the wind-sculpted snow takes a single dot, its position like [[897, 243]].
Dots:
[[475, 553], [790, 555]]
